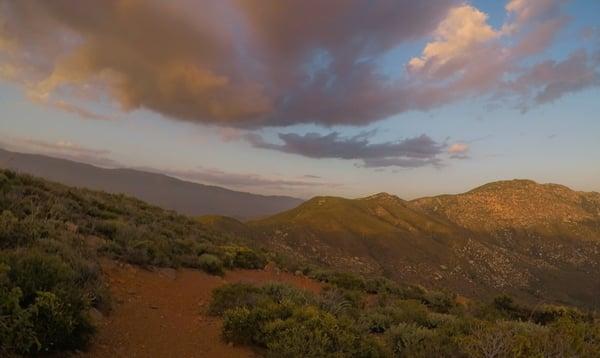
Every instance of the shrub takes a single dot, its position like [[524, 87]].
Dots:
[[441, 302], [210, 264], [242, 257], [43, 300], [409, 340], [345, 280], [376, 322], [289, 323], [232, 296]]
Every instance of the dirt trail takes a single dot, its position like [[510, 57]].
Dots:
[[162, 313]]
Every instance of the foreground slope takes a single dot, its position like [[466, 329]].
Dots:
[[531, 240], [170, 193]]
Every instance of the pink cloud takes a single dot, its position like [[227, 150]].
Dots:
[[256, 63]]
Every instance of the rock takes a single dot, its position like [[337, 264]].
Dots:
[[168, 273], [95, 316], [71, 227], [298, 273]]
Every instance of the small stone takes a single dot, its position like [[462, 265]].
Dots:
[[95, 315]]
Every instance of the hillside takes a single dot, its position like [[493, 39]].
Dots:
[[365, 235], [547, 209], [91, 274], [170, 193], [534, 241]]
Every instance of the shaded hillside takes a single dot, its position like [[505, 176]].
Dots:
[[170, 193], [51, 237], [367, 235], [542, 247]]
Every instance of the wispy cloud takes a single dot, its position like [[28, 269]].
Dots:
[[240, 180], [62, 148]]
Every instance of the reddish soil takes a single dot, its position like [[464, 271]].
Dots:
[[162, 313]]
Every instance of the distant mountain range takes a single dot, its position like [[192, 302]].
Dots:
[[185, 197], [535, 241]]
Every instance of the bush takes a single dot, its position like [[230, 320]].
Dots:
[[290, 322], [345, 280], [232, 296], [43, 302], [210, 264], [242, 257]]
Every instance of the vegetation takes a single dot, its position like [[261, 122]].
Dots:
[[281, 321], [50, 238]]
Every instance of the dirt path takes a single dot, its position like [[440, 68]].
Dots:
[[162, 313]]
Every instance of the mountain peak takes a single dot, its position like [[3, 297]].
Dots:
[[516, 203], [383, 196], [507, 184]]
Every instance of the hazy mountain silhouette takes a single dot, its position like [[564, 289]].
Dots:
[[162, 190]]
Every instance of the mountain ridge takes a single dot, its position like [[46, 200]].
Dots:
[[519, 237], [168, 192]]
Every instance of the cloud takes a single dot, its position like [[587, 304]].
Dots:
[[237, 63], [464, 28], [74, 109], [550, 80], [238, 180], [257, 63], [410, 152], [62, 149], [459, 150]]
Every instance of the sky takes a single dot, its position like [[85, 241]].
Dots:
[[305, 98]]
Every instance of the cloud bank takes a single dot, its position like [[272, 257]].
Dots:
[[256, 63], [410, 153]]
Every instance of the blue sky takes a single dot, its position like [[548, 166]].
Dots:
[[443, 123]]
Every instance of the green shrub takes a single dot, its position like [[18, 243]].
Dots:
[[242, 257], [210, 264], [17, 332], [409, 340], [232, 296], [44, 297], [441, 302], [376, 321], [345, 280], [309, 332]]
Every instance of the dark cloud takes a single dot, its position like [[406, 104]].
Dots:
[[256, 63], [410, 152], [232, 62]]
